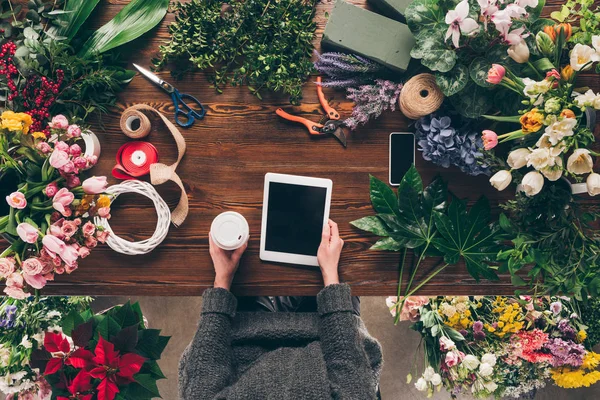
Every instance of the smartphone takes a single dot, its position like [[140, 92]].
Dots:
[[402, 155]]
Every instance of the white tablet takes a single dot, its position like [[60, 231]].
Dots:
[[295, 209]]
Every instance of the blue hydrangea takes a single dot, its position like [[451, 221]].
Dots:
[[444, 145]]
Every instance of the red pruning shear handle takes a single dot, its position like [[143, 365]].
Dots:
[[331, 113], [313, 127]]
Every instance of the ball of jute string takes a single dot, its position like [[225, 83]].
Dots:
[[135, 124], [420, 96]]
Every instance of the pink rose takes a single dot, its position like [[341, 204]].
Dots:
[[69, 268], [92, 160], [490, 139], [62, 200], [27, 232], [452, 359], [32, 266], [102, 236], [80, 162], [69, 167], [69, 228], [73, 181], [495, 74], [59, 158], [59, 122], [91, 242], [104, 212], [83, 252], [51, 189], [14, 287], [75, 150], [88, 229], [44, 147], [73, 131], [62, 146], [7, 267], [94, 185], [16, 200]]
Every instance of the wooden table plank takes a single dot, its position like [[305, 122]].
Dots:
[[228, 154]]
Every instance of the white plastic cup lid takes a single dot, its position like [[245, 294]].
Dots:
[[230, 230]]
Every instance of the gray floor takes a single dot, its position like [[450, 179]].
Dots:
[[177, 317]]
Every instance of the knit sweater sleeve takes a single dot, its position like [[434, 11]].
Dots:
[[206, 367], [348, 367]]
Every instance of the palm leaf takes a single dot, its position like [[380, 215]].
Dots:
[[76, 13], [135, 19]]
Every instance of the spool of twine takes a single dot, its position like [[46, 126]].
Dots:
[[135, 124], [420, 96]]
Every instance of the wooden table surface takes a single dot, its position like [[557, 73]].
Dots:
[[228, 154]]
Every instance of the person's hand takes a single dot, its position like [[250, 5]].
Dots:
[[225, 262], [329, 253]]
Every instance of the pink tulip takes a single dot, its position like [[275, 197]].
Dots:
[[16, 200], [73, 131], [51, 189], [27, 232], [56, 247], [59, 158], [495, 74], [94, 185], [61, 201], [59, 122], [490, 139]]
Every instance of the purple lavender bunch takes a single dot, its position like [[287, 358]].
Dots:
[[347, 70], [371, 100], [8, 321], [444, 145], [565, 352]]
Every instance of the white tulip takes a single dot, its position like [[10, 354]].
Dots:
[[540, 158], [501, 180], [519, 52], [580, 162], [593, 184], [583, 55], [471, 362], [436, 380], [518, 158], [554, 173], [421, 385], [532, 183], [485, 370], [489, 358]]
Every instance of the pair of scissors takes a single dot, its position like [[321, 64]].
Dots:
[[182, 109]]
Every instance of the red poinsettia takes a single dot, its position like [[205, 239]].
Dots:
[[78, 388], [62, 354], [113, 369]]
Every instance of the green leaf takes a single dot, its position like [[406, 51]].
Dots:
[[71, 321], [371, 224], [516, 280], [473, 101], [108, 327], [561, 15], [468, 235], [387, 243], [143, 388], [78, 13], [422, 14], [135, 19], [478, 70], [154, 369], [453, 81], [383, 198], [454, 334], [439, 59]]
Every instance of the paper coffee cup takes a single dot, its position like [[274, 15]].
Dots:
[[230, 230]]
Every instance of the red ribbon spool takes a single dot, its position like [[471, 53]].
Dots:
[[134, 160]]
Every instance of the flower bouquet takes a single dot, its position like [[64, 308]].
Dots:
[[23, 326], [107, 356], [502, 346], [48, 212]]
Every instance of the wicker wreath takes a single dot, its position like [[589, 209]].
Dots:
[[163, 213]]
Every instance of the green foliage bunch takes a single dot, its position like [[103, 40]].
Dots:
[[262, 43]]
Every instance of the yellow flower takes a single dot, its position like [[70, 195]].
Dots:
[[581, 336], [567, 73], [39, 135], [532, 121], [103, 201], [571, 379], [591, 360], [16, 122]]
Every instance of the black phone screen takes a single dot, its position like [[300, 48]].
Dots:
[[402, 155]]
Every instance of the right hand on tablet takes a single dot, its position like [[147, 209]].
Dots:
[[329, 253], [225, 262]]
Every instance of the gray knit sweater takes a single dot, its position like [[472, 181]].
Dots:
[[277, 356]]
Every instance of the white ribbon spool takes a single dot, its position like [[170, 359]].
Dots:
[[163, 213], [92, 144]]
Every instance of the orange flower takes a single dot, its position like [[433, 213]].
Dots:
[[567, 73], [531, 121], [553, 31], [103, 201], [566, 113]]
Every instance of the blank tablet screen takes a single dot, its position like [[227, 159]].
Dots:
[[295, 218]]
